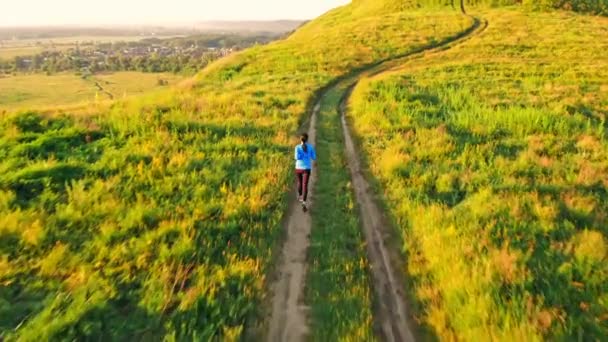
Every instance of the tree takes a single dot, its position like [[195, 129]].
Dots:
[[19, 63]]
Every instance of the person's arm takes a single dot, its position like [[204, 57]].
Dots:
[[313, 153], [297, 154]]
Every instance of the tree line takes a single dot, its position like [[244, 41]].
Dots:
[[599, 7], [54, 62]]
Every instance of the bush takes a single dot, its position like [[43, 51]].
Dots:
[[585, 6]]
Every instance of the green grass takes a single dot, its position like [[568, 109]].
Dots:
[[156, 217], [41, 91], [338, 288], [492, 158]]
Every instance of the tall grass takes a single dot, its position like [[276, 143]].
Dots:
[[492, 158], [156, 217]]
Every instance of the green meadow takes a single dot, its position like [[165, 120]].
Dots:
[[492, 158], [156, 216], [157, 213]]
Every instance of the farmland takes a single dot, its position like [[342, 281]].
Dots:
[[55, 91], [492, 159], [7, 53]]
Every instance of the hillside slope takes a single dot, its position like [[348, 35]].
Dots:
[[492, 158], [157, 217]]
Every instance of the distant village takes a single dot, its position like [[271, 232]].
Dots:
[[160, 50], [147, 55], [101, 56]]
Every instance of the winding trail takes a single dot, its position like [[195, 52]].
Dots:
[[391, 314], [288, 319]]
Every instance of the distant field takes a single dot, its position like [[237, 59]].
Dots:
[[132, 82], [36, 91], [12, 52]]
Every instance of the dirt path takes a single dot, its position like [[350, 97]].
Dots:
[[100, 88], [289, 313], [103, 90], [391, 313], [288, 321]]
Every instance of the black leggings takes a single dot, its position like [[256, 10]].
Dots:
[[302, 178]]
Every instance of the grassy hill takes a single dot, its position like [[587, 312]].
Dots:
[[158, 216], [492, 157]]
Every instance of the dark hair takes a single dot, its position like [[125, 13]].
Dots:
[[304, 139]]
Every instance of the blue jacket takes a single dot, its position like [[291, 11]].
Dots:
[[304, 159]]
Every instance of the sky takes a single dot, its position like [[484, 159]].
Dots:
[[108, 12]]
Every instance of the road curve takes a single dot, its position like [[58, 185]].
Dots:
[[393, 321], [288, 319]]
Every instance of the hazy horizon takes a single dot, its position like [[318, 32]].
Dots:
[[140, 12]]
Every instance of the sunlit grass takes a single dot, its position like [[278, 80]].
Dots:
[[156, 216], [338, 288], [492, 157]]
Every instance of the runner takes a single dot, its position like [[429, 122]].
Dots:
[[305, 155]]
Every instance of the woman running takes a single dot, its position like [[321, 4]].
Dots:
[[305, 155]]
